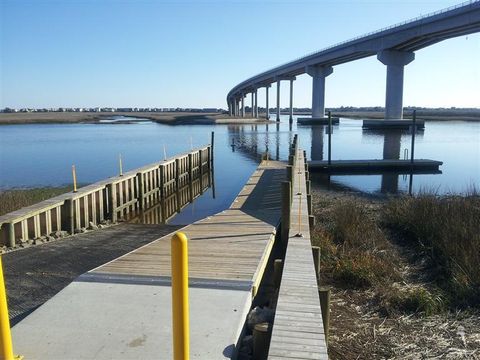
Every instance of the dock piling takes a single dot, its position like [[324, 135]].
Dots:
[[414, 128], [74, 175], [261, 341], [324, 294], [286, 206], [212, 146], [329, 137], [120, 165], [316, 260]]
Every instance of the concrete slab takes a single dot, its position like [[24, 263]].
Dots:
[[89, 320]]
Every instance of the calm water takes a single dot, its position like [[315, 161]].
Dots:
[[41, 155]]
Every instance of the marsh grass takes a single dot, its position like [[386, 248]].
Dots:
[[446, 230], [12, 200], [353, 248], [359, 250]]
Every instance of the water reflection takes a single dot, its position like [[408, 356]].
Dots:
[[41, 155], [254, 144], [175, 200]]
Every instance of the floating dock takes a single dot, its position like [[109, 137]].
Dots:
[[317, 121], [418, 166], [392, 124], [122, 310]]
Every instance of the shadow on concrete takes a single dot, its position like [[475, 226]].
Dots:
[[33, 275]]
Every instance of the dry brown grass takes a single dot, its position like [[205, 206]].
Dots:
[[447, 231], [353, 248]]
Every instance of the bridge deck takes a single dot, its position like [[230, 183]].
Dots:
[[122, 309]]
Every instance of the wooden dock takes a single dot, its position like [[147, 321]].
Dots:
[[122, 309], [298, 328], [173, 183], [346, 167], [233, 245]]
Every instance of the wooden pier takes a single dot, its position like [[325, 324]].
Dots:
[[298, 328], [122, 309], [173, 183]]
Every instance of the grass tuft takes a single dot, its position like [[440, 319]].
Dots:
[[353, 248], [446, 230]]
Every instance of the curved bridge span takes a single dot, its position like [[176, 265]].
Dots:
[[394, 46]]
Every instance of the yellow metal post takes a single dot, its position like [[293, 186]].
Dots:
[[74, 174], [6, 349], [180, 313]]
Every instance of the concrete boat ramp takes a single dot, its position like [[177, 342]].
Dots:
[[122, 310]]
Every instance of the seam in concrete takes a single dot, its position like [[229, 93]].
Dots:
[[241, 285]]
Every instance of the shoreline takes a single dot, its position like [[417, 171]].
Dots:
[[178, 118], [172, 118]]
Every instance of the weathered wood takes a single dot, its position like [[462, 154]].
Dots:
[[11, 234], [261, 340], [286, 210], [112, 201], [316, 260], [324, 294], [298, 329], [113, 197]]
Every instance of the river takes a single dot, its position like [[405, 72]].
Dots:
[[42, 155]]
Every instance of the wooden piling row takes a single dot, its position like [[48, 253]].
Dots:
[[170, 181]]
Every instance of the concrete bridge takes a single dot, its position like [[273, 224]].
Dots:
[[394, 46]]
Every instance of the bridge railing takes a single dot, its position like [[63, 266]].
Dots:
[[466, 3], [111, 199]]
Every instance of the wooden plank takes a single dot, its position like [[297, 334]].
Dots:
[[298, 328], [234, 244]]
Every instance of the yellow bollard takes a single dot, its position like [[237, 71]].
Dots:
[[74, 174], [6, 349], [180, 314]]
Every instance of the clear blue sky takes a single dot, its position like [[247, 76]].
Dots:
[[191, 53]]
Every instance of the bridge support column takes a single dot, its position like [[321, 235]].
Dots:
[[395, 61], [256, 104], [267, 107], [291, 101], [243, 106], [252, 105], [278, 100], [318, 74]]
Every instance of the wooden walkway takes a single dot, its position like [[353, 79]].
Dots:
[[233, 245], [129, 298], [298, 328]]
